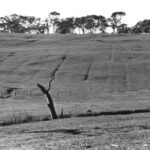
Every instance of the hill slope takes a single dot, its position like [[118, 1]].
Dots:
[[116, 63], [87, 68], [93, 74]]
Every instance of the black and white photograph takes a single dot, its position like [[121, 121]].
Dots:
[[75, 75]]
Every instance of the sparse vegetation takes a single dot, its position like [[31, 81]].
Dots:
[[19, 118]]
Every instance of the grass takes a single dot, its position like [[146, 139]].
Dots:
[[103, 132], [101, 82], [23, 117]]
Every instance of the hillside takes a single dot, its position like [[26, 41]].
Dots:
[[102, 79], [87, 68], [113, 63]]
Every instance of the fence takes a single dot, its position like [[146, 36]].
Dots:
[[82, 92]]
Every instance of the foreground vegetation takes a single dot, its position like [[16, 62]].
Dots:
[[127, 132], [101, 83]]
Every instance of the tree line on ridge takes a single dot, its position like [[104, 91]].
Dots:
[[82, 25]]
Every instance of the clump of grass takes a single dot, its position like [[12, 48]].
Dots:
[[62, 115], [24, 117]]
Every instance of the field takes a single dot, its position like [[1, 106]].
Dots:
[[102, 82]]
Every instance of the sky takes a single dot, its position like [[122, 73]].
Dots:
[[136, 10]]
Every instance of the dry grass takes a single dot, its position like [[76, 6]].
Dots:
[[103, 132], [22, 117]]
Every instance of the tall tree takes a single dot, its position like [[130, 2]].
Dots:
[[144, 26], [3, 24], [90, 23], [47, 25], [53, 18], [123, 28], [13, 23], [103, 24], [65, 25], [78, 23], [31, 23], [115, 20], [81, 23], [100, 23], [137, 28], [41, 27]]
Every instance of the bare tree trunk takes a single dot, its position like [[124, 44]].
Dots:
[[83, 30], [47, 26], [50, 101]]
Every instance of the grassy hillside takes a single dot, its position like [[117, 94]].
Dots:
[[95, 70], [115, 63], [103, 79]]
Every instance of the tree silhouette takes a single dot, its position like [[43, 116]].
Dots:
[[53, 18], [102, 23], [90, 23], [115, 20], [123, 28], [81, 23], [3, 24], [49, 99], [65, 25]]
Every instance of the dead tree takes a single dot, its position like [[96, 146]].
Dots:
[[49, 98]]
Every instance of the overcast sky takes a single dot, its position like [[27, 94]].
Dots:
[[136, 10]]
